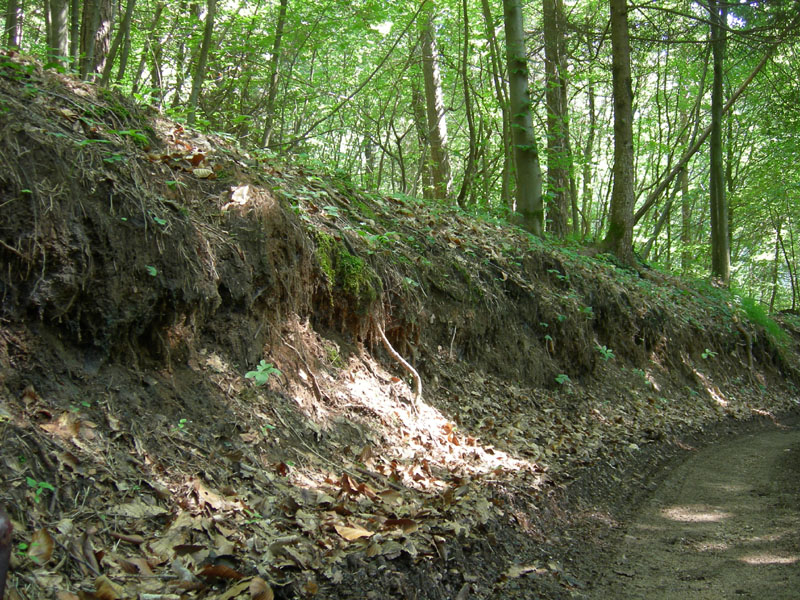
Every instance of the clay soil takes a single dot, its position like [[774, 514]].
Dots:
[[197, 399]]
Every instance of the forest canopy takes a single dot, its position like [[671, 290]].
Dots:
[[664, 131]]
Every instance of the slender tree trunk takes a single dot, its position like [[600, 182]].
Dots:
[[123, 32], [149, 45], [434, 108], [498, 78], [619, 238], [686, 222], [274, 71], [557, 119], [59, 31], [13, 22], [421, 123], [775, 266], [202, 60], [526, 152], [469, 168], [588, 158], [74, 33], [720, 240]]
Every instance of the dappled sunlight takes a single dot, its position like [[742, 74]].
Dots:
[[695, 514], [765, 558], [710, 546], [423, 435]]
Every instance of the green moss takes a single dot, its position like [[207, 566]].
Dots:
[[346, 272]]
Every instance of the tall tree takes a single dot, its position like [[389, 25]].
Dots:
[[558, 156], [274, 66], [528, 172], [619, 238], [123, 32], [720, 240], [58, 42], [199, 75], [13, 23], [434, 107], [501, 92]]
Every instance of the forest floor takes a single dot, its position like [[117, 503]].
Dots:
[[148, 452]]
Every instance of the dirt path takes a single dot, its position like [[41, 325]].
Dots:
[[724, 524]]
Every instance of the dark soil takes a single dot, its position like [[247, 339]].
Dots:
[[147, 269]]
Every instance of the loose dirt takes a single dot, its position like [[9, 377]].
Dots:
[[724, 524]]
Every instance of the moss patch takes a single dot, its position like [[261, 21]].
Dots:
[[347, 273]]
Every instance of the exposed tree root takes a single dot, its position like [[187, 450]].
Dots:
[[411, 370]]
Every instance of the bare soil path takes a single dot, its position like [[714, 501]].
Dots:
[[724, 524]]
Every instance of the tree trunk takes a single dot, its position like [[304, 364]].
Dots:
[[200, 70], [95, 35], [13, 22], [526, 152], [123, 31], [59, 31], [502, 100], [469, 168], [74, 33], [148, 45], [720, 240], [434, 108], [588, 158], [557, 118], [421, 122], [274, 66], [619, 238]]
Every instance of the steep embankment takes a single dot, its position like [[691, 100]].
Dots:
[[148, 268]]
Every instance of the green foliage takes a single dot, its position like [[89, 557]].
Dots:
[[562, 379], [708, 354], [757, 313], [38, 488], [606, 352], [263, 372]]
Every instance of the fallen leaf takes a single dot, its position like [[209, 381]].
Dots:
[[41, 548], [260, 590], [352, 533], [107, 589]]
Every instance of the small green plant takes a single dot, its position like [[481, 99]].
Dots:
[[562, 379], [38, 488], [559, 275], [263, 372], [587, 310], [640, 373], [708, 353], [606, 352], [22, 549], [181, 426]]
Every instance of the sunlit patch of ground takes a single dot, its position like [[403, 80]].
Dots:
[[695, 514]]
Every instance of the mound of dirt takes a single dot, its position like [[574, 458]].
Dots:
[[197, 399]]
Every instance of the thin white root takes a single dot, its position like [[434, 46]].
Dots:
[[412, 371]]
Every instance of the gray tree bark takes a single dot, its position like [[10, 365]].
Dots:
[[434, 108], [528, 172], [720, 240], [200, 70], [619, 238]]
